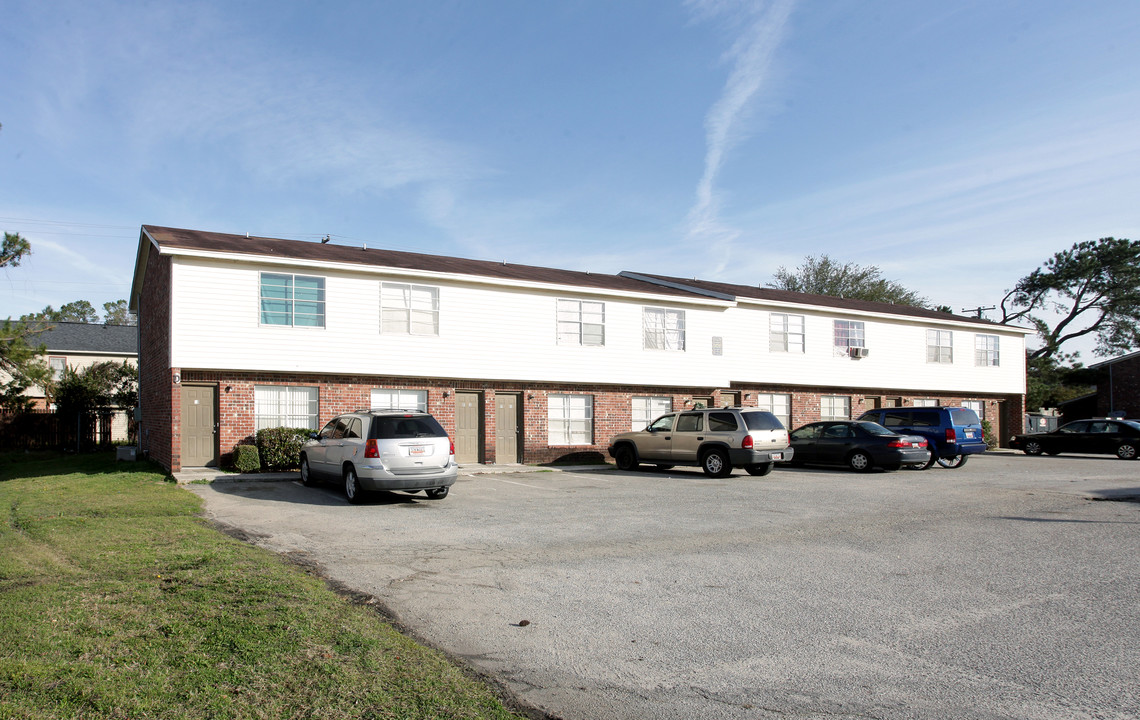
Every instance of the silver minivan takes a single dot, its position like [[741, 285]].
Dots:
[[376, 450]]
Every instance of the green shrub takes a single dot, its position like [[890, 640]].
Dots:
[[280, 447], [988, 435], [247, 459]]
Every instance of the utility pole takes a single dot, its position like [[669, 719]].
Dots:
[[978, 310]]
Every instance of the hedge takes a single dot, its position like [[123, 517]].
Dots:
[[280, 447]]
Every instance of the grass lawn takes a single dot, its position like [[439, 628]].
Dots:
[[118, 601]]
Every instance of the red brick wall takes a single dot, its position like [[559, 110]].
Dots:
[[612, 406], [158, 395]]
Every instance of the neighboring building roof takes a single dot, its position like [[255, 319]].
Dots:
[[74, 337], [174, 238], [1113, 361]]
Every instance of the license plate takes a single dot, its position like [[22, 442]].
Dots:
[[971, 433], [417, 450], [914, 445], [777, 456]]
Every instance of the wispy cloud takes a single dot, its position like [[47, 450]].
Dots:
[[760, 27]]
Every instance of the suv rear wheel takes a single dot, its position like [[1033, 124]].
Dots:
[[715, 463]]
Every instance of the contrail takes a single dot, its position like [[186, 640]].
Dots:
[[751, 57]]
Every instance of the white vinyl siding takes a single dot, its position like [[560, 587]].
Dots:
[[663, 329], [939, 346], [409, 309], [581, 322], [849, 334], [987, 350], [280, 406], [779, 404], [295, 300], [786, 333], [382, 399], [835, 407], [570, 420], [646, 409]]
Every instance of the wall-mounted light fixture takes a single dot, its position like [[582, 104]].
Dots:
[[530, 396], [747, 395], [177, 378], [229, 388], [446, 393]]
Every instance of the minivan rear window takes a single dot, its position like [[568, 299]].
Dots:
[[760, 420], [416, 426], [964, 416]]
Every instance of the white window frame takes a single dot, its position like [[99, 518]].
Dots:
[[581, 322], [835, 407], [926, 402], [407, 309], [286, 406], [389, 399], [779, 404], [849, 334], [785, 333], [987, 350], [978, 406], [58, 364], [570, 419], [283, 308], [663, 329], [939, 346], [645, 409]]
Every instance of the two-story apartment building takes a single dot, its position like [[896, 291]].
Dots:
[[519, 363]]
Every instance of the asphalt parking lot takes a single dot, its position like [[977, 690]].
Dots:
[[1008, 588]]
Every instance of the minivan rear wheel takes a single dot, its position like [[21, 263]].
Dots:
[[436, 493], [952, 462]]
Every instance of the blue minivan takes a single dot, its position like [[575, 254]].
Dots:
[[953, 433]]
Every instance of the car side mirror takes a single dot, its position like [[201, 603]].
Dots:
[[312, 436]]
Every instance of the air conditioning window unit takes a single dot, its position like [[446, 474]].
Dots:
[[858, 352]]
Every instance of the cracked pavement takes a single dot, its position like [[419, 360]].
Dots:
[[1002, 589]]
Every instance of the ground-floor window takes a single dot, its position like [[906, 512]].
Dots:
[[835, 407], [383, 399], [279, 406], [570, 420], [779, 404], [977, 406], [646, 409], [925, 402]]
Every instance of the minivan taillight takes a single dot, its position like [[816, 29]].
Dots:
[[951, 436], [452, 445], [747, 442], [370, 449]]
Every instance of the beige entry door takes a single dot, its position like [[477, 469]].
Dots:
[[507, 427], [199, 426], [468, 427]]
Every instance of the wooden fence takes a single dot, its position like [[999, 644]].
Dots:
[[48, 430]]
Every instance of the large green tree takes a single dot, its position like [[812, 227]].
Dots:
[[79, 311], [98, 387], [1091, 289], [20, 360], [116, 313], [824, 276]]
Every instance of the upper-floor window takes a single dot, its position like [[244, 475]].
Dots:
[[409, 309], [939, 346], [849, 334], [664, 329], [786, 333], [58, 365], [986, 350], [645, 409], [581, 322], [297, 300]]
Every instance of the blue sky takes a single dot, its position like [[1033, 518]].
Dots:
[[954, 145]]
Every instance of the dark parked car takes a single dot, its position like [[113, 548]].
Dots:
[[858, 444], [1119, 437], [953, 433]]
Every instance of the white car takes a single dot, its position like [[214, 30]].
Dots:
[[376, 450]]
